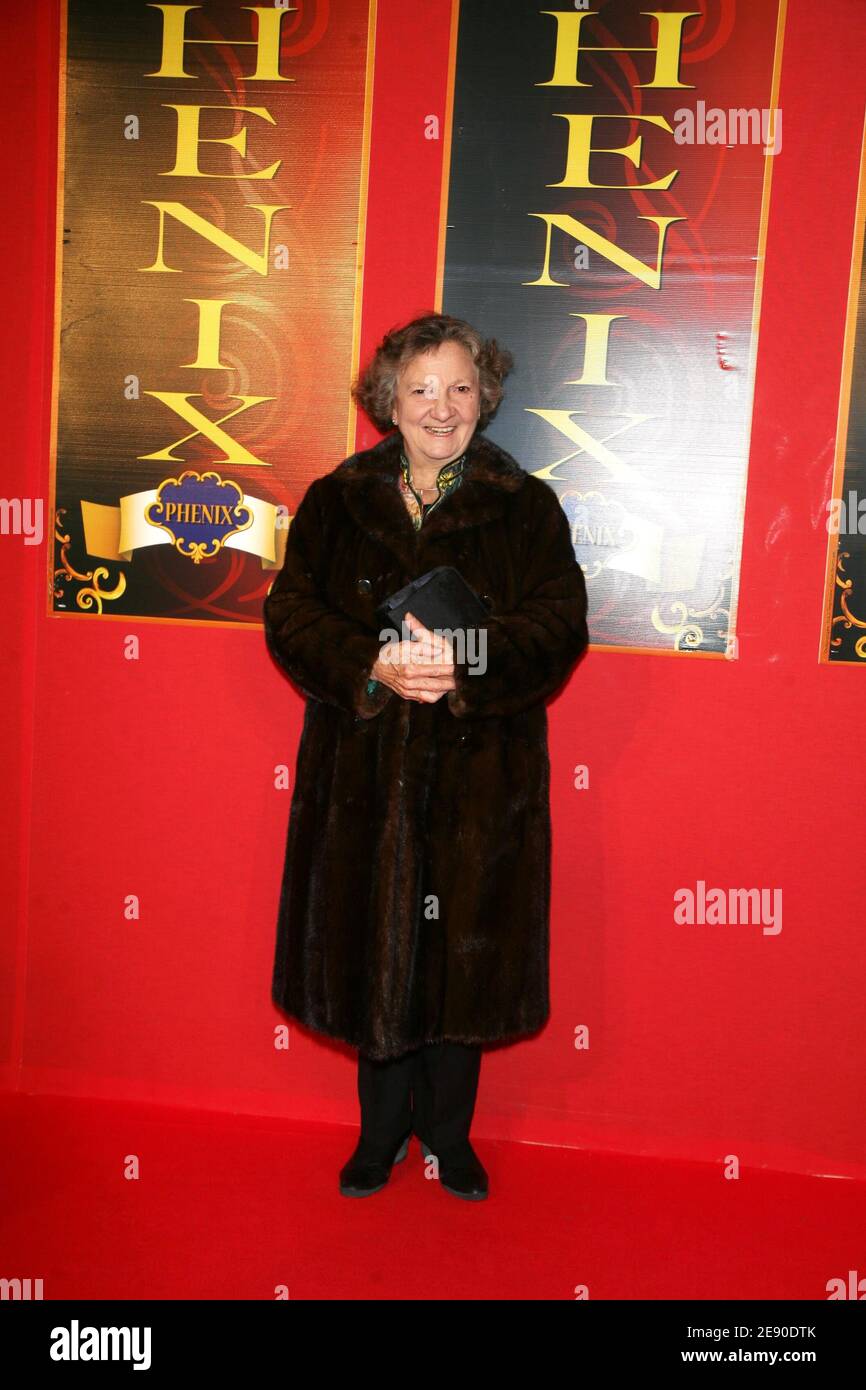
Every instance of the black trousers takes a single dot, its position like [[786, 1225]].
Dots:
[[430, 1091]]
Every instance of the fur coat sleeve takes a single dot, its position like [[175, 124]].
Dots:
[[532, 649], [327, 654]]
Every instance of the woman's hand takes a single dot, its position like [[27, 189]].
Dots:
[[421, 669]]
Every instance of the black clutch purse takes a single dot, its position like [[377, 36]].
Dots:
[[441, 598]]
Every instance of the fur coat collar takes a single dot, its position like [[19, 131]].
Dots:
[[369, 480]]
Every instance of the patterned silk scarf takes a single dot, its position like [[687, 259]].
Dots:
[[450, 476]]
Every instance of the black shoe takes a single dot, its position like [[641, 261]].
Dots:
[[460, 1172], [362, 1176]]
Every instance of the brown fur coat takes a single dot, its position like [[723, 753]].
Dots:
[[416, 888]]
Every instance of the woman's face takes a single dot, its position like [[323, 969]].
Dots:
[[437, 404]]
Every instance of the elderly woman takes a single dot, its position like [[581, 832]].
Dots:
[[413, 917]]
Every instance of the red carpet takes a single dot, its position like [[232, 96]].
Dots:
[[233, 1206]]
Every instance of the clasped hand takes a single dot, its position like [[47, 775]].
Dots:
[[419, 669]]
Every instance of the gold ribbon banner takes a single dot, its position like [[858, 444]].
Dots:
[[669, 563], [665, 554], [113, 533]]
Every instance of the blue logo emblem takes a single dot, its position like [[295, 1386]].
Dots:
[[199, 511], [598, 529]]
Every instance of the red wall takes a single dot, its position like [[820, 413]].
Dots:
[[132, 777]]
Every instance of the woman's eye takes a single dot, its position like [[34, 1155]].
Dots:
[[424, 391]]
